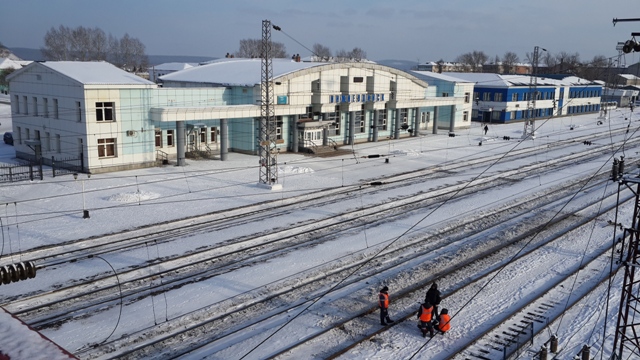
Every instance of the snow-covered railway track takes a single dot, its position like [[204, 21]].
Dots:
[[514, 329], [215, 337], [54, 306]]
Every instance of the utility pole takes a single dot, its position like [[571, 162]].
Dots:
[[529, 122], [628, 328], [267, 141]]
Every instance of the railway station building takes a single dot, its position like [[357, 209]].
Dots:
[[114, 120], [506, 98]]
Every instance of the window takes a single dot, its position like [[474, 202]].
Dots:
[[203, 135], [106, 147], [35, 106], [476, 96], [279, 127], [158, 134], [359, 122], [16, 99], [45, 106], [514, 97], [382, 119], [334, 118], [58, 148], [213, 135], [55, 109], [19, 131], [466, 98], [358, 79], [26, 105], [444, 94], [486, 96], [497, 97], [404, 118], [105, 111], [495, 115], [27, 134], [465, 116], [170, 138], [513, 115], [78, 111], [47, 141]]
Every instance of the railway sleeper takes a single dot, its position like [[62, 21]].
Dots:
[[537, 315]]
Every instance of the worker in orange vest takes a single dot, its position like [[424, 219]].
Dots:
[[383, 303], [425, 315], [444, 322]]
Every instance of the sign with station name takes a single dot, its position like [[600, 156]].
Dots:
[[356, 98]]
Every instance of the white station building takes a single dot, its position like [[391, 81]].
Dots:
[[113, 120]]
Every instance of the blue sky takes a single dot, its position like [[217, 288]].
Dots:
[[415, 30]]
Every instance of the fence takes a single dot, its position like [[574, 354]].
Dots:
[[21, 172], [66, 165]]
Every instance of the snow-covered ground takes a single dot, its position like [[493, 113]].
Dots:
[[48, 212]]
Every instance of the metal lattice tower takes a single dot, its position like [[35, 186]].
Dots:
[[267, 141], [529, 123], [628, 325]]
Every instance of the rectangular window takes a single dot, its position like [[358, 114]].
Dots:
[[359, 122], [78, 111], [497, 97], [466, 98], [486, 96], [27, 134], [213, 135], [26, 105], [404, 118], [203, 135], [45, 105], [19, 131], [474, 113], [58, 147], [16, 99], [106, 147], [170, 138], [55, 109], [158, 138], [382, 119], [444, 94], [513, 115], [476, 97], [495, 115], [105, 111], [514, 97], [358, 79], [47, 141], [279, 127], [35, 106], [465, 116]]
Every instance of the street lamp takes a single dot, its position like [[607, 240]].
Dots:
[[85, 212]]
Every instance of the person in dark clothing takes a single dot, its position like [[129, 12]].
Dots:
[[425, 315], [433, 297], [383, 303], [486, 128]]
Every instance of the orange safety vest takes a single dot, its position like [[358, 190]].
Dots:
[[384, 301], [425, 316], [445, 322]]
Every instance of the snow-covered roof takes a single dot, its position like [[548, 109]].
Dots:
[[90, 72], [427, 75], [174, 66], [497, 80], [6, 63], [236, 71], [628, 76]]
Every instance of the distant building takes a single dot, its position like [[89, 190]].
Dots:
[[497, 68], [115, 120], [507, 98]]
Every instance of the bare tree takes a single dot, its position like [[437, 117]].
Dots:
[[252, 48], [357, 54], [86, 44], [509, 60], [321, 51], [473, 61], [131, 54]]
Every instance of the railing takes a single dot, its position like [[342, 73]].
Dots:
[[162, 156], [20, 172], [67, 165]]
